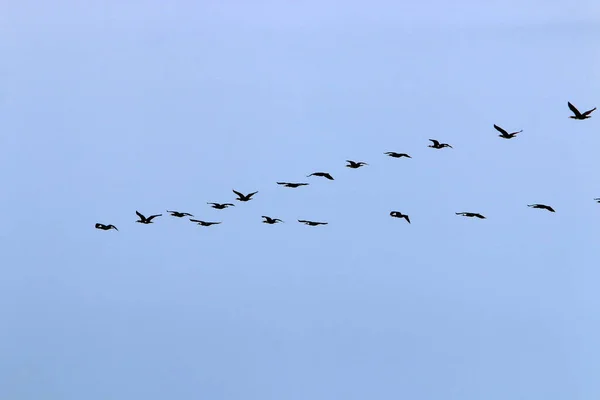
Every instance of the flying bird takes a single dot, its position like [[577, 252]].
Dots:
[[291, 185], [204, 223], [542, 206], [179, 214], [353, 164], [312, 223], [242, 197], [105, 227], [398, 214], [470, 214], [269, 220], [397, 155], [221, 206], [323, 174], [579, 115], [504, 134], [144, 220], [438, 145]]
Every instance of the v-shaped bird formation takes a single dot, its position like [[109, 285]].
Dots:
[[436, 144]]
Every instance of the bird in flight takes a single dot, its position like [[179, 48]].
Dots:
[[579, 115], [323, 174], [438, 145], [242, 197], [504, 134], [397, 155], [542, 206], [179, 214], [269, 220], [470, 214], [398, 214], [144, 220], [312, 223], [204, 223], [291, 185], [353, 164], [221, 206], [105, 227]]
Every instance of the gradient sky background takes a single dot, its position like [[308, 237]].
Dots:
[[107, 107]]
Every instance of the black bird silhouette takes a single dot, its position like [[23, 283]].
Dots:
[[470, 214], [220, 206], [312, 223], [542, 206], [398, 214], [105, 227], [354, 164], [504, 134], [242, 197], [397, 155], [269, 220], [323, 174], [179, 214], [597, 200], [144, 220], [438, 145], [579, 115], [204, 223], [291, 185]]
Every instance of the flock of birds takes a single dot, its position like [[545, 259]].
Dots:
[[351, 164]]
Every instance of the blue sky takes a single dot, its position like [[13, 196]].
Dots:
[[111, 107]]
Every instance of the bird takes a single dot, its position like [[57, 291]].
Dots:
[[323, 174], [269, 220], [221, 206], [291, 185], [312, 223], [242, 197], [179, 214], [542, 206], [438, 145], [105, 227], [504, 134], [470, 214], [579, 115], [397, 155], [204, 223], [597, 200], [354, 164], [398, 214], [144, 220]]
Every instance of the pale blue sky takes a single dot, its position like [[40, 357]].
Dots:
[[109, 107]]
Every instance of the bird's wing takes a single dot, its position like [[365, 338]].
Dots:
[[140, 215], [229, 204], [238, 193], [251, 194], [113, 227], [574, 109], [588, 112], [435, 142], [502, 131], [407, 218], [196, 220], [282, 183], [153, 216], [303, 221], [171, 211], [479, 216], [188, 214]]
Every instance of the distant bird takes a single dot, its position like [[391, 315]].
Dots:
[[579, 115], [438, 145], [504, 134], [204, 223], [542, 206], [291, 185], [397, 155], [242, 197], [353, 164], [597, 200], [105, 227], [323, 174], [470, 214], [179, 214], [398, 214], [221, 206], [312, 223], [144, 220], [269, 220]]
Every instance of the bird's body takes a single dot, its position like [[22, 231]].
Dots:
[[437, 145], [541, 206], [291, 185], [322, 174], [398, 214], [204, 223], [397, 155], [221, 206], [470, 214], [579, 115], [243, 197], [269, 220], [354, 164], [144, 220], [504, 134], [105, 227], [179, 214], [312, 223]]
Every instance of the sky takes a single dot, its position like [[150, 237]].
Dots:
[[110, 107]]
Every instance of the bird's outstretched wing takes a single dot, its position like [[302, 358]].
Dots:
[[435, 142], [574, 109], [588, 112], [140, 215], [196, 220], [238, 193], [251, 194], [502, 131], [150, 218]]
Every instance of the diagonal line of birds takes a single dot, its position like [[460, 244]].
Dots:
[[435, 144]]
